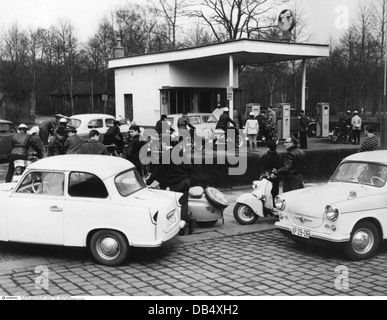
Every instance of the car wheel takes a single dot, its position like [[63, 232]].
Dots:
[[244, 215], [216, 197], [206, 224], [364, 241], [109, 247]]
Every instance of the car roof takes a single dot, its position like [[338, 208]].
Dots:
[[5, 121], [102, 166], [190, 114], [379, 156], [91, 115]]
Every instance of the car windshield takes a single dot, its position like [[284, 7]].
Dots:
[[74, 122], [373, 174], [129, 182]]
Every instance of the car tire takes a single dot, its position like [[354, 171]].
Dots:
[[206, 224], [364, 241], [216, 197], [312, 130], [109, 247], [244, 215]]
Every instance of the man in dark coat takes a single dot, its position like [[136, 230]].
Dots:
[[269, 161], [93, 145], [304, 122], [56, 145], [114, 136], [134, 147], [294, 163]]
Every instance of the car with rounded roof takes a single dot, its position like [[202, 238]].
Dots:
[[93, 201], [350, 210], [7, 131], [84, 123]]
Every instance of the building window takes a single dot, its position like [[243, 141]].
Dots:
[[128, 101]]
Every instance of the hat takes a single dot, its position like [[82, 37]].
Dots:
[[23, 126], [63, 120], [134, 128], [355, 112], [272, 145], [71, 129], [61, 131], [58, 115], [226, 109], [349, 111], [33, 130], [302, 111], [252, 114]]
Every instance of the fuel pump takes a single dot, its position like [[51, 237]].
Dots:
[[283, 120], [322, 120]]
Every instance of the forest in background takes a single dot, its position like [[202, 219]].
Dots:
[[37, 62]]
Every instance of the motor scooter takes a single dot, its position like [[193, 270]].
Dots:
[[258, 203], [338, 135], [205, 205], [219, 138]]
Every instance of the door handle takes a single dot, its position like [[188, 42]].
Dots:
[[56, 209]]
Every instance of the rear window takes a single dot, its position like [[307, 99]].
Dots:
[[75, 123], [86, 185], [109, 122], [96, 123], [194, 120], [7, 128], [212, 119], [129, 182]]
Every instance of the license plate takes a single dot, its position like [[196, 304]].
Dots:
[[301, 232]]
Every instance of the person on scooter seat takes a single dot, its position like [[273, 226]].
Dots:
[[345, 123], [224, 120], [114, 136], [183, 124]]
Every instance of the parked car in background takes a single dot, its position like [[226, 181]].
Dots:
[[295, 122], [350, 210], [7, 131], [93, 201], [204, 123], [100, 122]]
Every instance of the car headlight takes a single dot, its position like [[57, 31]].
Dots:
[[279, 203], [331, 213]]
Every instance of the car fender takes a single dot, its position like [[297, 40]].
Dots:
[[253, 202]]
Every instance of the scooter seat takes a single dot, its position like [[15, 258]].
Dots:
[[196, 192]]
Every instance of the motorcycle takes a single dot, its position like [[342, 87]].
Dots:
[[258, 203], [205, 205], [338, 135], [219, 139]]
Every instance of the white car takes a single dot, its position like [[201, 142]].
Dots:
[[204, 123], [100, 122], [349, 210], [93, 201]]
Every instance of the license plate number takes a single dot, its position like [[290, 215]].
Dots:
[[301, 232]]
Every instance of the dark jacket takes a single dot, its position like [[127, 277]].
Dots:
[[37, 145], [73, 144], [133, 151], [162, 127], [183, 122], [270, 160], [223, 121], [294, 162], [93, 147], [20, 144], [304, 122], [56, 147], [112, 135]]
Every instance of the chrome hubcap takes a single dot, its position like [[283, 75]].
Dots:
[[245, 213], [108, 247], [363, 241]]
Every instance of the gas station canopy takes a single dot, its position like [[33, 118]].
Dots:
[[244, 52]]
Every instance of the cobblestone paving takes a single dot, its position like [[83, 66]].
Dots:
[[247, 265]]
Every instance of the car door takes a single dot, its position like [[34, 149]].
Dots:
[[35, 210], [7, 131]]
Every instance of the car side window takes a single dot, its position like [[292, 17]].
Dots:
[[96, 123], [7, 128], [86, 185], [43, 183], [194, 120], [109, 122]]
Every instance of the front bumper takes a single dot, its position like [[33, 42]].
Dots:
[[314, 233]]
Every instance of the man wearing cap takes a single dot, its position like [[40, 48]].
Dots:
[[251, 130], [46, 129], [73, 143], [182, 124], [56, 145], [356, 127], [293, 167], [224, 120], [344, 122], [21, 143], [134, 147]]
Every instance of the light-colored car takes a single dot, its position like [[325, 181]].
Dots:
[[93, 201], [7, 131], [100, 122], [349, 210], [204, 123]]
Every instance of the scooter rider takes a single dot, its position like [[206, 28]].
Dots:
[[182, 124], [224, 120], [21, 143]]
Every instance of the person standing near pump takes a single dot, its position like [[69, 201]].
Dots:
[[356, 127], [304, 122], [251, 130], [293, 167]]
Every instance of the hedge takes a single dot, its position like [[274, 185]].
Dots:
[[320, 165]]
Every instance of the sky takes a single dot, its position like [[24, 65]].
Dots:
[[325, 16]]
